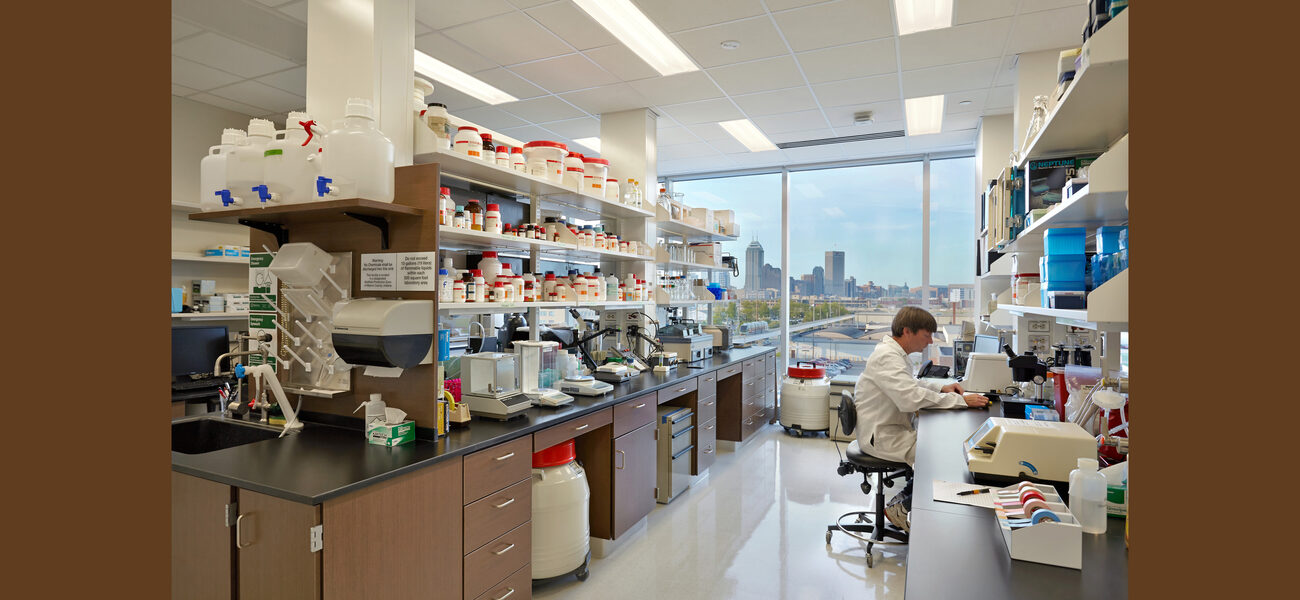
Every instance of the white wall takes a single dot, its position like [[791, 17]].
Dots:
[[992, 149], [1035, 75], [195, 128]]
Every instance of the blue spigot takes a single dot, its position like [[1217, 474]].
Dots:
[[239, 371], [262, 192], [226, 200], [323, 185]]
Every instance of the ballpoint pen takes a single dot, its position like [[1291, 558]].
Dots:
[[973, 492]]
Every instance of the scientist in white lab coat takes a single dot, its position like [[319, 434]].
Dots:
[[887, 397]]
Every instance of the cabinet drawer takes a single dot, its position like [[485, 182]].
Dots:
[[497, 560], [751, 405], [730, 370], [752, 423], [753, 368], [631, 415], [706, 409], [571, 429], [751, 387], [769, 382], [769, 400], [490, 470], [677, 390], [771, 363], [706, 445], [518, 586], [493, 516], [708, 385]]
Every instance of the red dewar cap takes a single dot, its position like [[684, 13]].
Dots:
[[562, 453], [807, 370], [444, 191]]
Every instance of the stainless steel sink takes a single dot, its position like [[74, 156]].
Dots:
[[209, 434]]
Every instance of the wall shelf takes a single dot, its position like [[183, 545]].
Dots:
[[687, 232], [999, 275], [481, 308], [1102, 202], [1091, 115], [452, 238], [213, 316], [675, 264], [228, 260], [1107, 307], [695, 302], [287, 214]]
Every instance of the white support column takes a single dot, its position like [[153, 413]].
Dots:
[[628, 140], [395, 69], [785, 270]]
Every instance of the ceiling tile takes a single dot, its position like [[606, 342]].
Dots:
[[836, 23], [757, 76], [674, 89], [1047, 30], [775, 5], [810, 154], [673, 136], [874, 148], [960, 121], [447, 50], [565, 73], [1028, 6], [704, 111], [863, 59], [1002, 96], [709, 131], [297, 10], [963, 43], [197, 76], [440, 14], [759, 159], [455, 99], [1007, 73], [491, 117], [180, 90], [182, 29], [510, 83], [842, 116], [686, 151], [529, 3], [421, 28], [622, 62], [675, 15], [541, 110], [757, 37], [253, 93], [970, 11], [294, 80], [943, 140], [780, 101], [727, 145], [952, 101], [530, 133], [858, 91], [801, 135], [502, 39], [239, 107], [950, 78], [610, 98], [573, 25], [576, 128], [228, 55], [788, 122]]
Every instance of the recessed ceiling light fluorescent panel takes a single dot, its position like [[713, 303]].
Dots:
[[746, 133], [435, 69], [924, 114], [592, 143], [631, 27], [922, 15]]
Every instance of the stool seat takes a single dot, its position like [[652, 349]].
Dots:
[[868, 463]]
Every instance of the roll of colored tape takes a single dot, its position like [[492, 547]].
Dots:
[[1034, 504], [1026, 495], [1043, 514], [1025, 485]]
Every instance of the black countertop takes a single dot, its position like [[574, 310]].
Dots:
[[322, 461], [957, 551]]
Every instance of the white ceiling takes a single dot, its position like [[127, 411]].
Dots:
[[802, 69]]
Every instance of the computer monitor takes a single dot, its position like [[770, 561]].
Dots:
[[195, 349], [986, 343]]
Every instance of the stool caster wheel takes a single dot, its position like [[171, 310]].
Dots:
[[869, 562], [862, 519], [582, 574], [828, 537]]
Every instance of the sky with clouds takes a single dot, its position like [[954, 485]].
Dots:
[[872, 213]]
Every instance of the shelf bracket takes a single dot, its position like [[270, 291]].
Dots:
[[379, 222], [280, 232]]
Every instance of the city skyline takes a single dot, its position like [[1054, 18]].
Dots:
[[819, 284]]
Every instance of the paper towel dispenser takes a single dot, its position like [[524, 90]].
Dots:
[[383, 333]]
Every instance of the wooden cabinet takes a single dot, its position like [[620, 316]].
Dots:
[[707, 446], [743, 399], [707, 384], [497, 560], [571, 429], [518, 586], [630, 415], [677, 390], [493, 516], [495, 468], [275, 557], [202, 542], [634, 478], [497, 516]]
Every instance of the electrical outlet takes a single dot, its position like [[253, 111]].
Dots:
[[1038, 343], [1040, 326]]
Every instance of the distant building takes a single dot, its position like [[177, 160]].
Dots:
[[770, 278], [834, 273], [754, 266], [851, 288], [818, 281]]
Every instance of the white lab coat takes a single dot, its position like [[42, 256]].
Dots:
[[887, 397]]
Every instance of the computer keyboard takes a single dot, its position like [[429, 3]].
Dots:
[[200, 384]]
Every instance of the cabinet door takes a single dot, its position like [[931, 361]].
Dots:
[[201, 541], [706, 436], [275, 557], [634, 477]]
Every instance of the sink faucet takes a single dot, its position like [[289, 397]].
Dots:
[[262, 348]]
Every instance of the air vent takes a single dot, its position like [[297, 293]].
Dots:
[[882, 135]]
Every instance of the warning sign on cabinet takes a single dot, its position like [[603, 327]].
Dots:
[[400, 272], [378, 272]]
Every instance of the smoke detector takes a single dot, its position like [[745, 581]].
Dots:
[[865, 117], [730, 44]]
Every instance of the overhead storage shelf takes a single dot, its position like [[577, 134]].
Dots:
[[688, 232], [230, 260], [1107, 307], [481, 308], [1102, 202]]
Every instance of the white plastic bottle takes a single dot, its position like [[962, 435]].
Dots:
[[446, 206], [611, 288], [445, 292], [212, 169], [293, 162], [246, 165], [358, 158], [469, 143], [480, 286], [492, 219], [490, 266], [1088, 496], [375, 411], [458, 292], [548, 287]]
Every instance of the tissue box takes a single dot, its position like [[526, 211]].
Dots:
[[214, 251], [391, 435], [231, 250]]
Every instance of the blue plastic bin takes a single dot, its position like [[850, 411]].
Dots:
[[1064, 240], [1108, 239], [1058, 267], [1064, 286]]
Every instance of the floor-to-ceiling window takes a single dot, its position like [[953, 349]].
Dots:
[[952, 250]]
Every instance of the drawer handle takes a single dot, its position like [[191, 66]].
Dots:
[[624, 455], [709, 403], [581, 427], [708, 449], [710, 428], [505, 504], [510, 592], [239, 532], [680, 390], [641, 405], [504, 550], [506, 456]]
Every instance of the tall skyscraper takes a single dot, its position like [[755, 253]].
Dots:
[[818, 281], [834, 273], [851, 288], [754, 267]]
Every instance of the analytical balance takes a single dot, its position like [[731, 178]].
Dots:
[[584, 385], [538, 372], [614, 373], [490, 385], [1007, 450]]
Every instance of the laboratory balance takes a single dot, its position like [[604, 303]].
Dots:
[[614, 373], [490, 385], [584, 385], [539, 371]]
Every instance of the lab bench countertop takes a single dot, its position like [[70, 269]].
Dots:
[[957, 550], [322, 461]]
